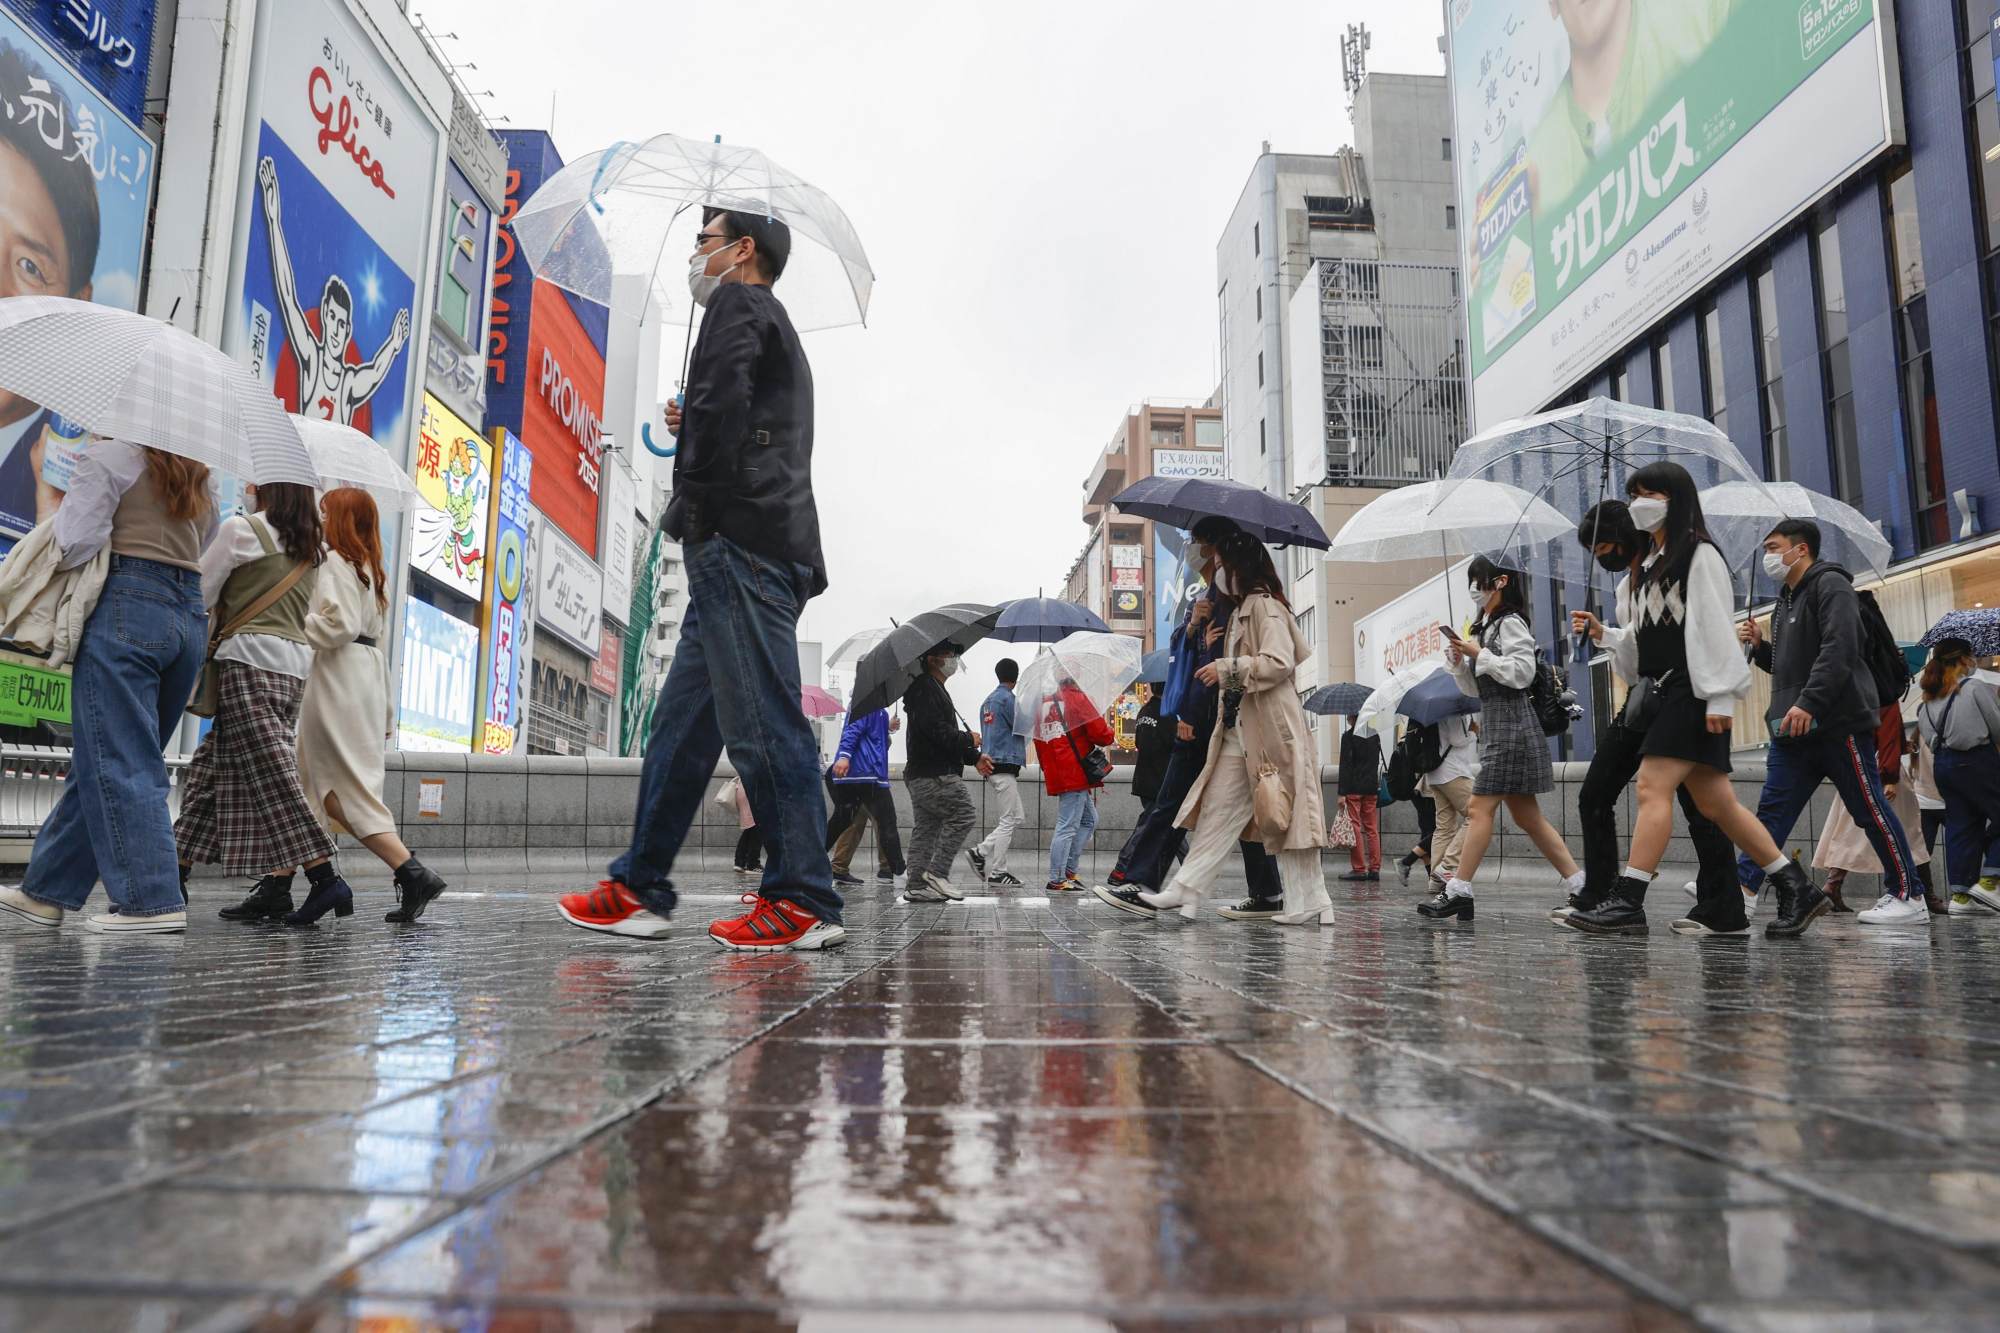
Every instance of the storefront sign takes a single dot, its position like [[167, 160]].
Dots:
[[1128, 605], [1202, 463], [621, 534], [507, 595], [1127, 578], [76, 180], [457, 356], [440, 659], [474, 149], [1128, 557], [604, 668], [1404, 633], [108, 42], [454, 473], [569, 590], [30, 694]]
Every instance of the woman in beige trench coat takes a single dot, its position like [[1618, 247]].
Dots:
[[1261, 781]]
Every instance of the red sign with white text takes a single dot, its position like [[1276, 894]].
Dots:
[[562, 417]]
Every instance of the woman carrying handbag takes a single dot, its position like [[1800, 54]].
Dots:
[[1068, 747], [1261, 781]]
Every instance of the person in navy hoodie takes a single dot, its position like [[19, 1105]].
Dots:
[[859, 780]]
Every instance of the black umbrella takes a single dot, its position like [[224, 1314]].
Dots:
[[891, 666], [1342, 700], [1185, 501]]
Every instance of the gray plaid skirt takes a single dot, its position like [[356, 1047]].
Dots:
[[1513, 752], [241, 803]]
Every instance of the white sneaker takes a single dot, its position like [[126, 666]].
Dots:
[[1890, 910], [1986, 892], [921, 892], [943, 887], [166, 923], [21, 905], [1691, 889], [1962, 905], [819, 936]]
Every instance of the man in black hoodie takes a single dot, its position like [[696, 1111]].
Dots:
[[939, 748], [1823, 715]]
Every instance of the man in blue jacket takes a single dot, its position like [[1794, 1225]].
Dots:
[[859, 780], [1006, 753], [1143, 862]]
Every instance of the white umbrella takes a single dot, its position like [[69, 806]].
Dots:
[[1448, 519], [130, 377], [1099, 665], [632, 211], [1741, 514], [1382, 703], [854, 646], [343, 456]]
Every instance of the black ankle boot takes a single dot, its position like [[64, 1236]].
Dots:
[[416, 885], [1444, 907], [1622, 913], [329, 894], [270, 898], [1800, 903]]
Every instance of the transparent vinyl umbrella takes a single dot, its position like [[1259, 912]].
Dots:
[[345, 457], [1099, 666], [631, 212], [1741, 514]]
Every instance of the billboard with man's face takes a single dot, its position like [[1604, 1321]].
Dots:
[[1613, 156], [75, 183]]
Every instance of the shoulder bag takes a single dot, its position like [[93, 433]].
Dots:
[[1096, 765], [208, 690]]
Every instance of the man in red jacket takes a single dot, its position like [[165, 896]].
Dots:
[[1070, 729]]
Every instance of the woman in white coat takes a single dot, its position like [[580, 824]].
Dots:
[[345, 715]]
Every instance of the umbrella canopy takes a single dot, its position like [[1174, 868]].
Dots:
[[1445, 520], [632, 210], [126, 376], [1153, 666], [1575, 456], [892, 665], [1183, 502], [1342, 700], [1435, 698], [815, 701], [1382, 704], [1099, 665], [1979, 627], [343, 456], [854, 645], [1741, 514], [1044, 620]]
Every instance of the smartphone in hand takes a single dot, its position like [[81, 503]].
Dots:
[[1450, 633]]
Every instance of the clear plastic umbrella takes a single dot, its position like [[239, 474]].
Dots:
[[126, 376], [632, 211], [1381, 705], [856, 645], [1101, 666], [1741, 514], [1447, 519], [1575, 456], [343, 456]]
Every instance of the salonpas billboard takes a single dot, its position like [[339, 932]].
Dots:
[[1615, 155]]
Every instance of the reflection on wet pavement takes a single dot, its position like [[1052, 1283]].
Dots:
[[998, 1116]]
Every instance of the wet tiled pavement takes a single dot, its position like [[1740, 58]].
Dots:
[[1005, 1114]]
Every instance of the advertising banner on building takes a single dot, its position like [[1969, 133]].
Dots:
[[621, 535], [640, 685], [1128, 556], [440, 660], [338, 204], [1174, 586], [454, 472], [1202, 463], [1614, 155], [507, 596], [76, 179], [108, 42], [1404, 632], [1127, 579], [604, 667], [1128, 604], [456, 367], [569, 589]]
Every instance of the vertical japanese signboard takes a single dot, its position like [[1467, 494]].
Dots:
[[454, 472], [507, 597]]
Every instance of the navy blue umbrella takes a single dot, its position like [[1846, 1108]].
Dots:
[[1185, 501], [1153, 666], [1343, 700], [1044, 620], [1980, 628], [1435, 698]]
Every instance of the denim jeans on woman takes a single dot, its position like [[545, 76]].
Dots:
[[1076, 819], [134, 673]]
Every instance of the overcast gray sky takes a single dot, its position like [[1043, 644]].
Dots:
[[1039, 186]]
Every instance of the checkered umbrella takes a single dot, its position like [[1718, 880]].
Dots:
[[129, 377]]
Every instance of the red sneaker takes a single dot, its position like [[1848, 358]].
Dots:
[[773, 926], [611, 908]]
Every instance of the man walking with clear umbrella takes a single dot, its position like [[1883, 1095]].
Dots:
[[744, 513]]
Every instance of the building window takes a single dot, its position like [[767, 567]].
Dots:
[[1208, 432], [1923, 441], [1663, 373], [1447, 150], [1708, 336], [1983, 133], [1843, 434], [1260, 370], [1260, 305], [1260, 437], [1905, 244], [1308, 621], [1171, 434], [1621, 382], [1451, 217], [1770, 371], [1256, 238]]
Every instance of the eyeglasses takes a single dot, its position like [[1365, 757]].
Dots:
[[705, 237]]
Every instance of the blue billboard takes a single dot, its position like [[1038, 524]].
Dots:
[[109, 42], [507, 585]]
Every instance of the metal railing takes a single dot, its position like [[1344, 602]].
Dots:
[[31, 782]]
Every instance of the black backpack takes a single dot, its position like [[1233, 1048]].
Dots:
[[1401, 774], [1550, 696], [1423, 748], [1879, 650]]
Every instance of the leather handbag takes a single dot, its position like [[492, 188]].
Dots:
[[1270, 803], [208, 689], [1642, 703]]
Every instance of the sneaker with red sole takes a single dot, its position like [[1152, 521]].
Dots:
[[773, 926], [611, 908]]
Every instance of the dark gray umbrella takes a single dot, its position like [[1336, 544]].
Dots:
[[1342, 700], [891, 666], [1185, 501], [1434, 699], [1044, 620]]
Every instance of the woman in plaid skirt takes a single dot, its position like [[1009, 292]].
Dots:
[[242, 805], [1497, 659]]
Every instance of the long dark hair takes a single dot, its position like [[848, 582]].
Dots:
[[1685, 528], [292, 511], [1483, 570], [1951, 655], [1250, 568]]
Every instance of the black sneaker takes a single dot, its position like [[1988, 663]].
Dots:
[[1623, 913], [1004, 880], [1124, 897], [1724, 918], [843, 878], [1800, 903], [885, 877], [1358, 877], [1253, 909], [978, 861]]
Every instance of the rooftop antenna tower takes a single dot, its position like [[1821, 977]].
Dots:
[[1354, 48]]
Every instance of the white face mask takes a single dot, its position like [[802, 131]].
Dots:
[[1225, 583], [1648, 514], [702, 283], [1775, 566], [947, 666]]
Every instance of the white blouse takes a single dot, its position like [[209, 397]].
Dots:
[[236, 545], [1717, 668], [1510, 662]]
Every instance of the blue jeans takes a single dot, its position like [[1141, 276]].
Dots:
[[1969, 782], [1076, 820], [1794, 768], [735, 683], [134, 673]]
